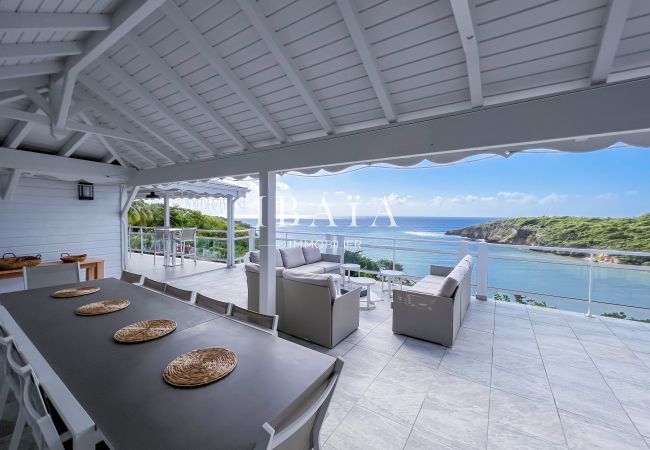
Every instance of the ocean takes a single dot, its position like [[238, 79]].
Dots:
[[556, 280]]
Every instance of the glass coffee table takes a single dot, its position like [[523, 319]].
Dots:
[[367, 283]]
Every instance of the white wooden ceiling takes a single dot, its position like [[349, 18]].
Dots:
[[155, 83]]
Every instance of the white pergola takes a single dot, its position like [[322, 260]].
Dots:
[[197, 189], [149, 92]]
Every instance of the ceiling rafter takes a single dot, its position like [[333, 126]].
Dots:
[[109, 98], [73, 143], [29, 70], [26, 116], [105, 142], [20, 130], [40, 49], [612, 31], [129, 15], [155, 60], [18, 83], [120, 74], [466, 28], [46, 22], [37, 99], [187, 28], [269, 37], [137, 151], [353, 23]]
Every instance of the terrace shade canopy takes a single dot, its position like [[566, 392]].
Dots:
[[150, 92], [200, 189]]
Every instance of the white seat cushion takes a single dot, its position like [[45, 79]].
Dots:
[[292, 257], [308, 268], [327, 266]]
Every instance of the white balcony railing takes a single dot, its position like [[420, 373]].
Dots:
[[518, 272]]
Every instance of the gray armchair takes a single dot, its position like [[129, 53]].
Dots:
[[312, 309], [433, 309]]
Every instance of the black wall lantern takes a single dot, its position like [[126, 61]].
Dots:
[[86, 191]]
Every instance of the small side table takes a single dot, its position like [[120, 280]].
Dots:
[[390, 276], [367, 282], [350, 267]]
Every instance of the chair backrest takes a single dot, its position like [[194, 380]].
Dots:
[[159, 233], [259, 320], [38, 418], [153, 284], [131, 277], [303, 425], [17, 370], [181, 294], [5, 341], [50, 275], [212, 304], [188, 234]]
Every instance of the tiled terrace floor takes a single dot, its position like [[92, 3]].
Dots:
[[518, 377]]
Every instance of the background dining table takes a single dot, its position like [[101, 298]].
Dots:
[[121, 386]]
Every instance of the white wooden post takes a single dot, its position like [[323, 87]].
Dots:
[[267, 242], [341, 247], [463, 249], [251, 239], [230, 235], [167, 221], [482, 272]]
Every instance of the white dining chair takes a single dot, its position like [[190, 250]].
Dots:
[[17, 374], [51, 275], [303, 431], [186, 235], [38, 418], [5, 341]]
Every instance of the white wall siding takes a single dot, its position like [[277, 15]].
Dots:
[[46, 217]]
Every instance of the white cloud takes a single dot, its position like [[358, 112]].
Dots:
[[517, 197], [282, 186], [552, 198], [632, 193], [393, 199], [606, 196]]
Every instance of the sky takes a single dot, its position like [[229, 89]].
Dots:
[[613, 182]]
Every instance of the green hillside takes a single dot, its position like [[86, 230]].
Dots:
[[631, 234]]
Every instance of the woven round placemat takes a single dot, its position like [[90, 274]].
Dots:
[[75, 292], [146, 330], [103, 307], [200, 367]]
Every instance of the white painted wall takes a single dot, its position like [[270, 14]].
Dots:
[[46, 217]]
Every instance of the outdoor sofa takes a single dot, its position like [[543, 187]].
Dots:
[[434, 308]]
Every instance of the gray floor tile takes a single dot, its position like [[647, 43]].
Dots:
[[364, 430], [422, 441], [531, 387], [532, 417], [585, 434], [407, 373], [504, 437], [396, 401], [421, 352], [472, 369]]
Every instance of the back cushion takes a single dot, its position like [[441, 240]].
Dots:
[[292, 257], [311, 254], [318, 279], [454, 278], [255, 258]]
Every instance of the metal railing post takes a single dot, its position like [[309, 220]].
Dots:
[[482, 271], [393, 267], [591, 266], [141, 242]]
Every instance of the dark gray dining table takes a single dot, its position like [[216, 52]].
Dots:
[[120, 386]]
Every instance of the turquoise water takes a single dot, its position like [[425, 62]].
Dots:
[[549, 277]]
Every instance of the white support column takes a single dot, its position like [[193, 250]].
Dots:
[[463, 249], [482, 272], [230, 237], [167, 221], [267, 242]]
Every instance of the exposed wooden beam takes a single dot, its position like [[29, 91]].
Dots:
[[73, 143], [49, 22], [210, 54], [352, 21], [129, 15], [134, 149], [111, 151], [40, 49], [37, 99], [30, 70], [123, 77], [171, 75], [19, 131], [18, 83], [99, 90], [465, 23], [288, 66], [11, 184], [532, 123], [133, 192], [612, 32], [16, 114], [39, 163]]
